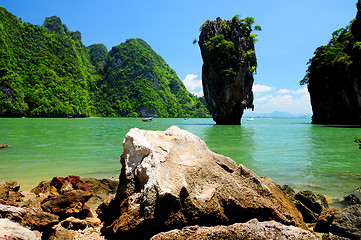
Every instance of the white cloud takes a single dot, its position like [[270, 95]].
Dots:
[[283, 91], [296, 101], [258, 88], [191, 82]]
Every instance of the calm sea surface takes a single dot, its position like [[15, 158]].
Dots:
[[288, 150]]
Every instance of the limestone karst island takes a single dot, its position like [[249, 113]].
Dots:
[[107, 142]]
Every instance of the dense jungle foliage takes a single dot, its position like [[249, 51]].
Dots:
[[46, 71], [148, 86], [337, 60]]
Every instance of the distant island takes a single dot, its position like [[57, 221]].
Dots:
[[276, 114], [46, 71]]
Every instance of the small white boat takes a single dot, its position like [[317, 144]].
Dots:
[[250, 119], [147, 119]]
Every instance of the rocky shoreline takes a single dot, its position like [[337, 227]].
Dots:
[[172, 186]]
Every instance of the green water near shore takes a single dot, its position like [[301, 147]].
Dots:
[[288, 150]]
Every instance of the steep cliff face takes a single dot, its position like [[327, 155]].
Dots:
[[44, 71], [229, 61], [138, 82], [334, 77]]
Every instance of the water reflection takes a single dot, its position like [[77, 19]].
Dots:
[[335, 160], [232, 141]]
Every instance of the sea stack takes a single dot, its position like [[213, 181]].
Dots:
[[334, 77], [229, 61]]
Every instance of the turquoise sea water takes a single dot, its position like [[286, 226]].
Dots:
[[288, 150]]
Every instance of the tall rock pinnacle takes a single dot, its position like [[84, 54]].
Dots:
[[229, 61]]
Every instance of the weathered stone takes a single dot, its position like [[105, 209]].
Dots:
[[171, 179], [4, 146], [330, 236], [6, 187], [310, 205], [13, 231], [314, 201], [68, 204], [74, 223], [325, 219], [358, 190], [308, 215], [61, 234], [102, 190], [29, 217], [253, 229], [345, 223], [288, 191], [45, 188], [227, 74], [350, 200]]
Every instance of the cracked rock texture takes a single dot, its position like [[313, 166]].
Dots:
[[170, 179]]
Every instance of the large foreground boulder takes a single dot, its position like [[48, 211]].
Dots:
[[13, 231], [253, 229], [171, 179]]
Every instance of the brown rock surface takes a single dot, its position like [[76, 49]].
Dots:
[[253, 229], [29, 217], [345, 223], [171, 179], [71, 203]]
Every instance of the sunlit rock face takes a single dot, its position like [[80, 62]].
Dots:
[[170, 179], [229, 61]]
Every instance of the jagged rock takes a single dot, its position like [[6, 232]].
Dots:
[[74, 223], [61, 234], [288, 191], [350, 200], [29, 217], [314, 201], [358, 190], [310, 205], [345, 223], [71, 203], [330, 236], [102, 189], [13, 231], [9, 193], [253, 229], [6, 187], [227, 74], [4, 146], [171, 179], [44, 187]]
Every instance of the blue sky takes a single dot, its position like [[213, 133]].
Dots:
[[292, 30]]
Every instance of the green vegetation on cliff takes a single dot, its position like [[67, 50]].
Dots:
[[334, 77], [46, 71], [335, 59], [138, 82]]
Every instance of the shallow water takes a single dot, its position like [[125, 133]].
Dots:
[[288, 150]]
